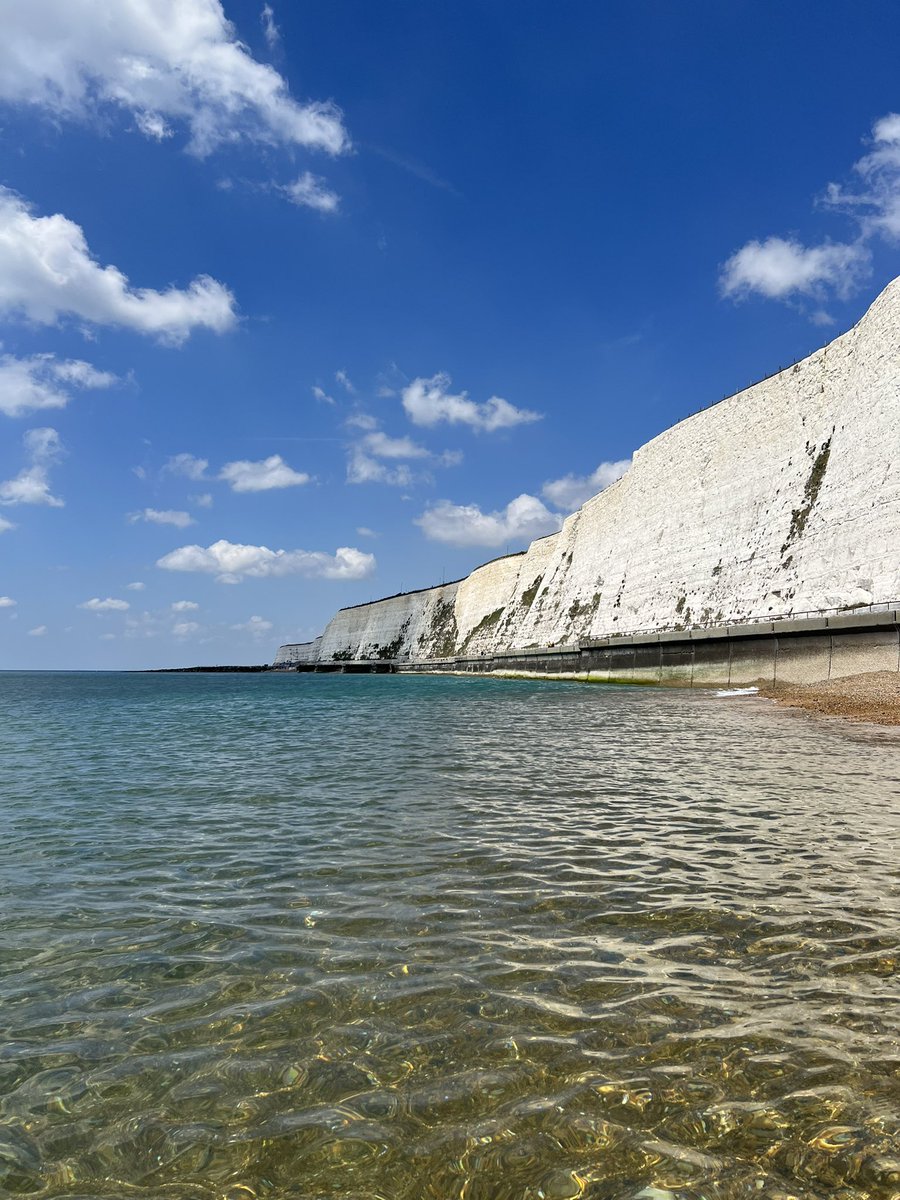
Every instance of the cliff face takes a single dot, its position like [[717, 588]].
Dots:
[[783, 498]]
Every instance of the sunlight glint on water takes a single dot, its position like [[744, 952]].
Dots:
[[395, 937]]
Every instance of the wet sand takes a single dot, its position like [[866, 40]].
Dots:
[[871, 697]]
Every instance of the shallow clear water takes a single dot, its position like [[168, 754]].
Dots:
[[397, 937]]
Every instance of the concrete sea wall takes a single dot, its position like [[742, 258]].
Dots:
[[782, 499], [786, 652]]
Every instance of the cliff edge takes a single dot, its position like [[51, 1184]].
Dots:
[[783, 498]]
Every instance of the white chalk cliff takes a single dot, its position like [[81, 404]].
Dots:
[[784, 498]]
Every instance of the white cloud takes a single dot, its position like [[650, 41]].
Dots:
[[365, 531], [29, 384], [262, 476], [362, 468], [522, 520], [361, 420], [321, 395], [187, 465], [31, 486], [164, 516], [7, 602], [363, 465], [204, 500], [777, 268], [310, 191], [47, 272], [345, 381], [184, 628], [5, 525], [257, 626], [429, 402], [184, 606], [231, 562], [38, 631], [152, 125], [137, 586], [108, 605], [877, 205], [780, 268], [270, 29], [162, 61], [572, 491], [382, 446]]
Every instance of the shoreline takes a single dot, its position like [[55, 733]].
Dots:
[[873, 697]]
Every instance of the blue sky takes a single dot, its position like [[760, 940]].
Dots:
[[303, 305]]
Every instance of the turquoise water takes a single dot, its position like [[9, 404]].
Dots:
[[338, 936]]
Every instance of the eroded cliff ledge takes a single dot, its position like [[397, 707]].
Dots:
[[784, 498]]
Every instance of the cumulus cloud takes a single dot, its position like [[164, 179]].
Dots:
[[5, 525], [43, 448], [322, 396], [204, 500], [164, 516], [38, 631], [345, 381], [7, 602], [571, 491], [272, 472], [780, 268], [108, 605], [184, 606], [43, 381], [187, 465], [165, 62], [310, 191], [137, 586], [47, 272], [523, 519], [231, 562], [430, 401]]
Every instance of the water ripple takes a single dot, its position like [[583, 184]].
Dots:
[[398, 938]]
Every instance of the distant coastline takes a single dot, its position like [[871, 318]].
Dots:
[[209, 670]]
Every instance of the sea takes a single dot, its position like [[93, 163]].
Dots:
[[402, 937]]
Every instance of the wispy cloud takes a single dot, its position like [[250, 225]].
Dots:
[[270, 30], [311, 191], [43, 381], [43, 449], [413, 167], [187, 465], [165, 516]]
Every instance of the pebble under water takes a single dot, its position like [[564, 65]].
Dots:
[[463, 939]]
